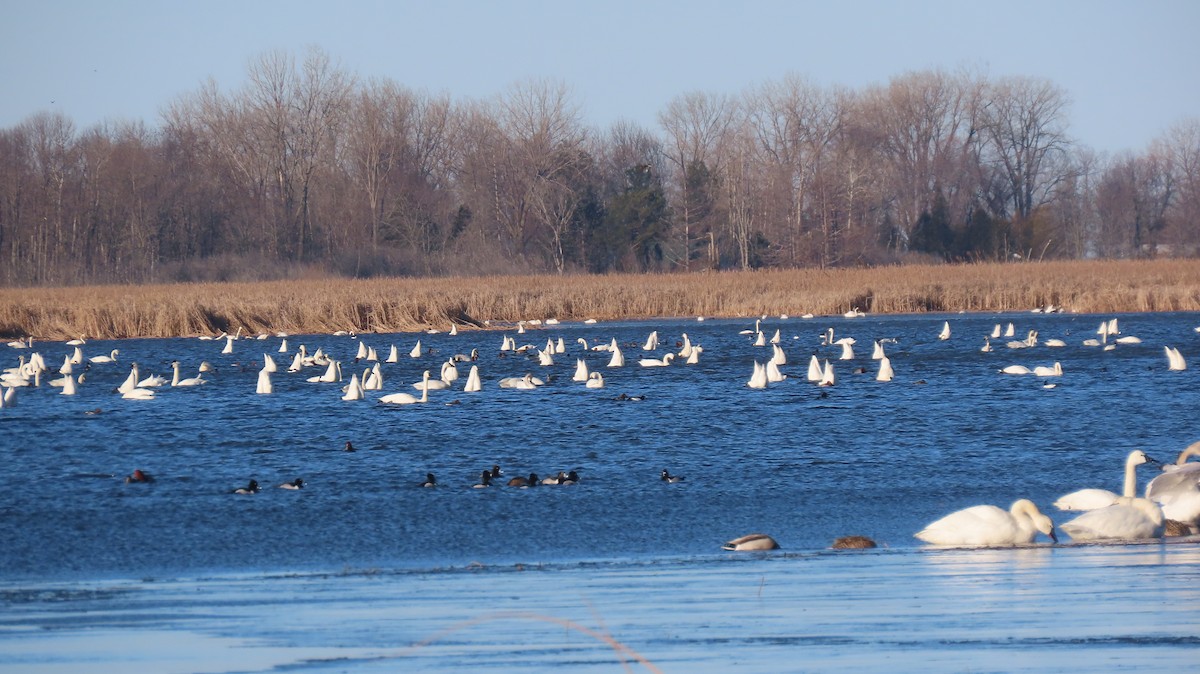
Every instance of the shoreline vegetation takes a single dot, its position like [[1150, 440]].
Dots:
[[417, 304]]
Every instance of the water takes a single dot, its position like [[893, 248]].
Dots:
[[363, 544]]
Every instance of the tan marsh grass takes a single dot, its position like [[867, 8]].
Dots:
[[396, 305]]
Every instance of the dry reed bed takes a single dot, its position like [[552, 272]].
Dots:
[[396, 305]]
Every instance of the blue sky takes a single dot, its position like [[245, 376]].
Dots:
[[1131, 68]]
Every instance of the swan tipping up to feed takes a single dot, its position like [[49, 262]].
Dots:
[[751, 542], [581, 370], [885, 370], [264, 382], [473, 384], [759, 378], [1175, 362], [945, 333], [989, 525]]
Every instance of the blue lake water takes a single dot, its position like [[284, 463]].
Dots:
[[260, 579]]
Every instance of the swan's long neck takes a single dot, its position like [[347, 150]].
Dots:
[[425, 388], [1192, 450], [175, 379], [1130, 489]]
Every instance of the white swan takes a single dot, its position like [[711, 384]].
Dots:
[[354, 390], [283, 347], [131, 381], [1177, 490], [110, 358], [847, 350], [176, 381], [1175, 362], [651, 342], [362, 351], [779, 357], [1127, 519], [416, 350], [989, 525], [885, 370], [1092, 499], [657, 362], [760, 340], [264, 382], [139, 394], [393, 355], [996, 332], [773, 373], [618, 359], [374, 382], [1015, 369], [269, 363], [775, 338], [814, 369], [1043, 371], [877, 351], [686, 351], [595, 380], [473, 384], [759, 378], [408, 398], [1010, 330], [828, 378], [435, 384], [581, 370], [68, 386], [987, 345], [694, 356], [449, 371], [526, 383], [1055, 343], [945, 333]]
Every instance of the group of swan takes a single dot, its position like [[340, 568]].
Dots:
[[1172, 496]]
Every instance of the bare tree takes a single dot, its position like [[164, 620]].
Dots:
[[697, 125], [1024, 124]]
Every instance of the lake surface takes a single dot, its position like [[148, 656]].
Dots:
[[362, 565]]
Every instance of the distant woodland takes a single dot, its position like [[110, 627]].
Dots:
[[308, 171]]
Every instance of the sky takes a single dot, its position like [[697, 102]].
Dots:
[[1131, 69]]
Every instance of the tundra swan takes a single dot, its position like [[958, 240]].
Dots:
[[814, 369], [751, 542], [996, 332], [779, 357], [1056, 343], [1175, 362], [581, 370], [595, 380], [473, 384], [945, 333], [393, 355], [989, 525], [1043, 371], [408, 398], [847, 351], [618, 359], [269, 363], [1015, 369], [176, 381], [264, 382], [68, 386], [773, 373], [828, 378], [110, 358], [1127, 519], [759, 378], [354, 390], [657, 362], [987, 345], [1091, 499], [139, 394], [885, 370], [651, 342], [877, 351], [131, 381], [1177, 490], [416, 350]]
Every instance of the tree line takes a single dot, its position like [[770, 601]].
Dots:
[[305, 169]]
